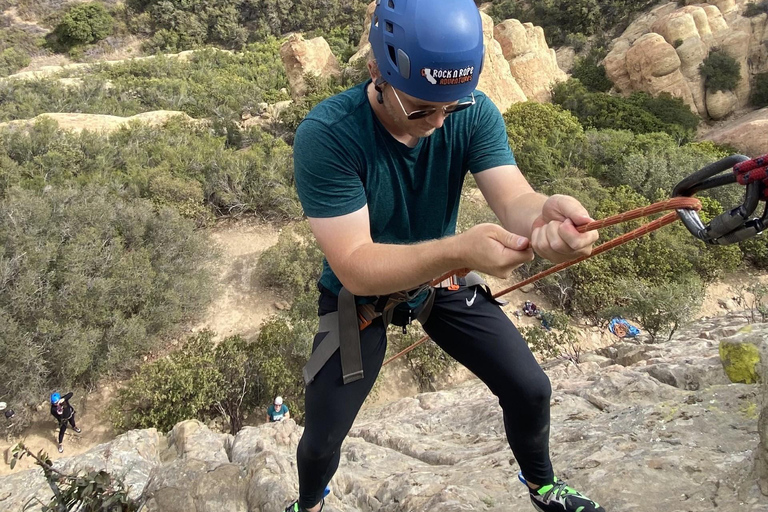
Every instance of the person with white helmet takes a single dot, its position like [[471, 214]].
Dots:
[[64, 413], [379, 170], [278, 411]]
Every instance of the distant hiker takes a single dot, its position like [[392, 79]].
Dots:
[[379, 170], [278, 411], [530, 309], [64, 413]]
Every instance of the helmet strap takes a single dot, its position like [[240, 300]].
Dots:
[[377, 85]]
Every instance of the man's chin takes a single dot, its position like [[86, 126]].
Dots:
[[424, 133]]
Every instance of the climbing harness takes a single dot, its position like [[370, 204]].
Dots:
[[736, 224], [342, 328]]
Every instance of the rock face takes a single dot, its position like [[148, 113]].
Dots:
[[531, 61], [746, 133], [665, 416], [301, 57], [497, 80], [662, 50]]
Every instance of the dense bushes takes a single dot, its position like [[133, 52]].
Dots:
[[639, 113], [202, 379], [759, 96], [720, 71], [561, 19], [591, 73], [84, 24], [88, 281], [210, 84], [183, 165], [176, 25], [546, 140]]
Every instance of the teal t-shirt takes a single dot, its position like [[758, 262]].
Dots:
[[275, 414], [344, 158]]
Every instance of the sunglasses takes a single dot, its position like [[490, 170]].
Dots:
[[422, 113]]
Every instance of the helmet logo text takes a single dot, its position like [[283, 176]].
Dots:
[[448, 76]]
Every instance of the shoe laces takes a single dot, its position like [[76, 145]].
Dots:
[[560, 489]]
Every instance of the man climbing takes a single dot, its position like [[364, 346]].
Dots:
[[64, 414], [379, 170]]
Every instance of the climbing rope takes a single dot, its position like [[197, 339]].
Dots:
[[676, 203]]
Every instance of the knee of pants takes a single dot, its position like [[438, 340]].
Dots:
[[316, 451], [534, 394]]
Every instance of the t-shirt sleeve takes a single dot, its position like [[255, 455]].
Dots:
[[327, 181], [489, 145]]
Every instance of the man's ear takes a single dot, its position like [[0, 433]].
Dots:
[[373, 70]]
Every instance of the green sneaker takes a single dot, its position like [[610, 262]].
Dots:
[[559, 497]]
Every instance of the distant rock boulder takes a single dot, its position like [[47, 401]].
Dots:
[[662, 50], [301, 57], [747, 133]]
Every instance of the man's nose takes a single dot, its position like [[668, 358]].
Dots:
[[437, 118]]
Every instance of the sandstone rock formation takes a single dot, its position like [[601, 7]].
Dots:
[[747, 133], [301, 57], [638, 427], [98, 122], [662, 51], [531, 61], [497, 80]]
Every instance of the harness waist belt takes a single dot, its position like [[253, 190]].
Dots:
[[342, 327]]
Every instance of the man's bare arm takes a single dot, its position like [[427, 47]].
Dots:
[[368, 268]]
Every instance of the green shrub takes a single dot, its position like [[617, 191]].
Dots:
[[759, 97], [661, 309], [294, 263], [546, 140], [639, 113], [559, 339], [591, 73], [168, 164], [755, 8], [12, 60], [85, 24], [427, 362], [720, 71], [199, 380]]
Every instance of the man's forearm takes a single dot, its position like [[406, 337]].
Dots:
[[518, 215], [379, 269]]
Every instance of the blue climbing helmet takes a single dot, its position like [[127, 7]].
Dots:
[[55, 397], [430, 49]]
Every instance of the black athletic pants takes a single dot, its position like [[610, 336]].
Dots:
[[475, 332], [63, 426]]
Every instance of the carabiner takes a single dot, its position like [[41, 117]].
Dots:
[[732, 226]]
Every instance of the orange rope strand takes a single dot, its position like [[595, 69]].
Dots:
[[687, 203]]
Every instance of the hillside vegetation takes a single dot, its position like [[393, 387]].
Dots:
[[103, 249]]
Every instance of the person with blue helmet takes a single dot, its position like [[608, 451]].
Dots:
[[379, 170], [64, 413]]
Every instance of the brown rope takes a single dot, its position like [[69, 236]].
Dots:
[[687, 203]]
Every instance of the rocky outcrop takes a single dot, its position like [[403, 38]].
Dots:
[[531, 61], [98, 122], [663, 49], [747, 133], [497, 80], [665, 415], [301, 57]]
